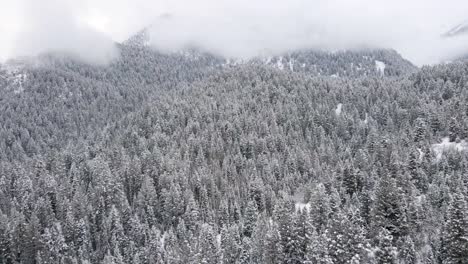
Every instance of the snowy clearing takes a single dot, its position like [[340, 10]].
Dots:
[[338, 109], [380, 66], [421, 154], [291, 65], [14, 76], [366, 121], [300, 207], [279, 64], [446, 145]]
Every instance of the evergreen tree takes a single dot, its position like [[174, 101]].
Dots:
[[250, 218], [385, 253], [407, 252], [186, 158], [420, 132], [388, 211], [453, 130], [455, 234]]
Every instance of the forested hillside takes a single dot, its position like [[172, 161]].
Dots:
[[171, 158], [342, 63], [51, 101]]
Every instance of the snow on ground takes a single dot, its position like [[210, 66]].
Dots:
[[228, 62], [162, 241], [338, 109], [300, 207], [421, 154], [147, 41], [420, 199], [189, 54], [291, 65], [17, 80], [18, 83], [380, 66], [446, 145], [365, 121], [218, 240], [14, 76], [279, 63], [234, 62], [11, 68]]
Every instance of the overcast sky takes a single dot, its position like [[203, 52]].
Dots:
[[87, 28]]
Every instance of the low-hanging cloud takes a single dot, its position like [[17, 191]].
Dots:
[[247, 28], [54, 26], [241, 28]]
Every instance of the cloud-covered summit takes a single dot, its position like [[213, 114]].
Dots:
[[241, 28]]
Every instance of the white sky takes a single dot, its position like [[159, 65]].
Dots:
[[86, 28]]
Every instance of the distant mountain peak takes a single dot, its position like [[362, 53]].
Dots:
[[458, 30], [140, 39], [143, 37]]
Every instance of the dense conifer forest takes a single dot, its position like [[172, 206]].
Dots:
[[309, 157]]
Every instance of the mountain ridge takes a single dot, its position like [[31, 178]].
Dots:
[[458, 30], [356, 62]]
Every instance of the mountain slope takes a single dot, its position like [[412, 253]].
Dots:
[[241, 166], [192, 158], [77, 99], [52, 100], [350, 63], [343, 63]]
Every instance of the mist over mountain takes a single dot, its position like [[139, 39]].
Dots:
[[232, 29], [458, 30], [201, 137], [141, 72]]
